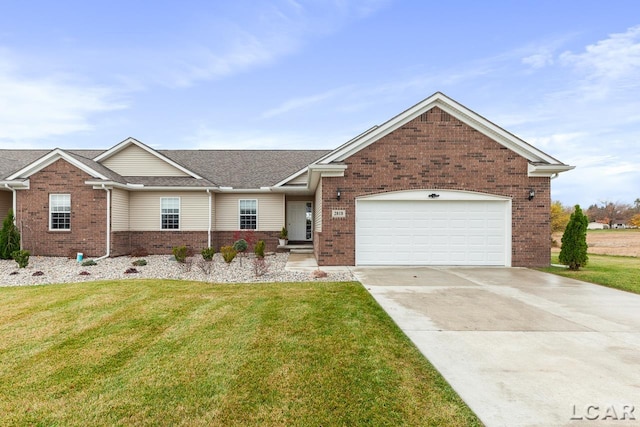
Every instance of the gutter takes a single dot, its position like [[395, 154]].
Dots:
[[108, 224]]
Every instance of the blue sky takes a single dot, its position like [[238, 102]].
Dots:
[[563, 75]]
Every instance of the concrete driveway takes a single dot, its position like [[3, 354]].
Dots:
[[521, 347]]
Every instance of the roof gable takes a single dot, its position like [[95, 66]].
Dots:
[[133, 158], [465, 115], [52, 157]]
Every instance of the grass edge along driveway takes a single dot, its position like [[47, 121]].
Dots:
[[618, 272], [158, 352]]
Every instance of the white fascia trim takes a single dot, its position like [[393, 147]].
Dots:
[[97, 185], [50, 158], [124, 144], [547, 170], [316, 172], [455, 109], [16, 185]]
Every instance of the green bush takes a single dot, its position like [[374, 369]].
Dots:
[[258, 249], [573, 251], [9, 237], [180, 252], [88, 263], [139, 262], [207, 253], [240, 245], [21, 257], [228, 253], [284, 234]]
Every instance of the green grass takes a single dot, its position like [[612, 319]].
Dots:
[[186, 353], [617, 272]]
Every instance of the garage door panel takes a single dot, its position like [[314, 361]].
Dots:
[[402, 232]]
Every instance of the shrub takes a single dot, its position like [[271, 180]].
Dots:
[[228, 253], [21, 257], [180, 252], [240, 245], [139, 252], [573, 251], [139, 262], [88, 263], [9, 237], [258, 249], [207, 253]]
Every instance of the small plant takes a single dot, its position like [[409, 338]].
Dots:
[[258, 249], [21, 257], [180, 252], [260, 266], [284, 234], [205, 266], [130, 270], [88, 263], [139, 262], [38, 273], [228, 253], [9, 237], [240, 245], [139, 252], [84, 273], [207, 253]]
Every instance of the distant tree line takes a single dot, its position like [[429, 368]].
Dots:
[[604, 212]]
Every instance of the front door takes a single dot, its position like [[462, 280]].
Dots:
[[300, 220]]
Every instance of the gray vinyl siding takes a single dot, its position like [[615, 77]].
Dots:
[[145, 210], [270, 211], [134, 161], [119, 210]]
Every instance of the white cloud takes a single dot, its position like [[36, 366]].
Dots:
[[38, 108], [538, 60], [301, 102]]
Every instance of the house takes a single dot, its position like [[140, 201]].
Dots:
[[597, 226], [437, 184]]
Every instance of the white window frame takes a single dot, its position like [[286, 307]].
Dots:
[[164, 213], [51, 211], [240, 213]]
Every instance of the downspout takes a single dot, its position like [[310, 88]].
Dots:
[[108, 224], [209, 229], [14, 206]]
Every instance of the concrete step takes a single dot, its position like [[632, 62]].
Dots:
[[301, 250]]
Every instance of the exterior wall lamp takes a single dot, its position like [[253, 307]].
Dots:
[[338, 194], [532, 194]]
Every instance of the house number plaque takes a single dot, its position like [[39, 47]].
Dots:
[[338, 213]]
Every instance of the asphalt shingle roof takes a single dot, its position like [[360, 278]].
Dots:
[[241, 169]]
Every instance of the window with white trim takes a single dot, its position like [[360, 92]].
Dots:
[[59, 211], [248, 214], [170, 213]]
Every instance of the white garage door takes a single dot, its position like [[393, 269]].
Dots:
[[433, 232]]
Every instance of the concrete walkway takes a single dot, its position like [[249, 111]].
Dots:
[[307, 263], [521, 347]]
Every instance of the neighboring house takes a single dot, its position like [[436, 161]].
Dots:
[[597, 226], [436, 185], [619, 223]]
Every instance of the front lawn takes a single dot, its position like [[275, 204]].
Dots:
[[158, 352], [613, 271]]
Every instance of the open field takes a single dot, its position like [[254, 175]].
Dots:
[[610, 242], [160, 352]]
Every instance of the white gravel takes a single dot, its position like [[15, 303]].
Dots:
[[64, 270]]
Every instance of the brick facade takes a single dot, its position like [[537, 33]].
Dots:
[[437, 151], [88, 213]]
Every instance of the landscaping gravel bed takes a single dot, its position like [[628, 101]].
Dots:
[[64, 270]]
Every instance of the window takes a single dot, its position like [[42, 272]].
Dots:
[[248, 214], [170, 213], [60, 211]]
